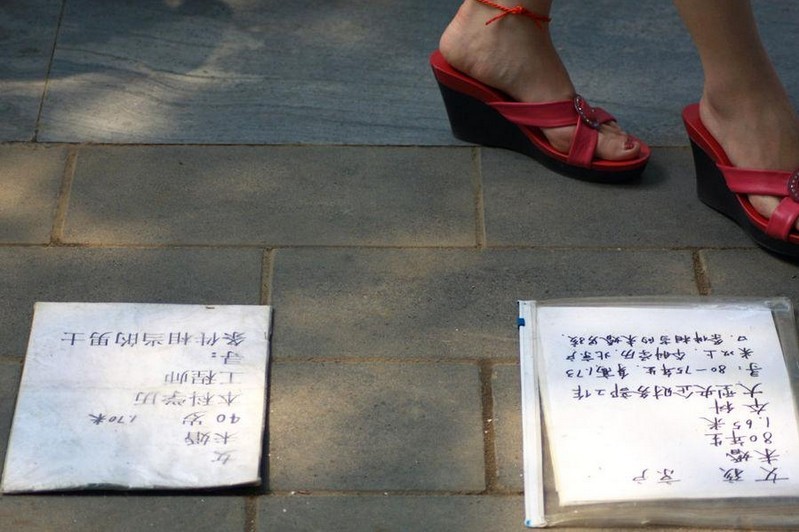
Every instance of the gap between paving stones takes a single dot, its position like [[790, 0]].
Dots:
[[64, 192], [56, 33], [701, 274]]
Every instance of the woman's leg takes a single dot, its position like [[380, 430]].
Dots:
[[743, 104], [515, 55]]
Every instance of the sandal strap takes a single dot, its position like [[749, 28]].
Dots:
[[583, 146], [765, 182], [783, 219], [574, 112], [539, 20], [778, 183], [550, 114]]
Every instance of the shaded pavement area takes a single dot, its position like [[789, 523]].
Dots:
[[297, 154]]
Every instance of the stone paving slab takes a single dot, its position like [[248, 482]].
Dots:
[[507, 422], [180, 72], [27, 35], [273, 196], [125, 275], [10, 373], [30, 178], [121, 513], [750, 273], [246, 72], [395, 513], [527, 205], [237, 72], [375, 426], [408, 304]]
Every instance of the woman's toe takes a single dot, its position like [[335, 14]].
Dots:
[[614, 144]]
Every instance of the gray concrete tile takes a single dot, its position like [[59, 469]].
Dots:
[[356, 513], [443, 303], [507, 420], [238, 72], [508, 440], [27, 34], [122, 513], [273, 196], [10, 373], [222, 276], [528, 205], [347, 513], [30, 178], [246, 72], [375, 426], [750, 273]]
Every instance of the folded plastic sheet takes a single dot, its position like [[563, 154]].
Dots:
[[660, 411]]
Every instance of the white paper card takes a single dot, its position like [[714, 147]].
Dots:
[[653, 403], [119, 395]]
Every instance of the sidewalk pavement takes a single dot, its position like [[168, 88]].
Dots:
[[297, 154]]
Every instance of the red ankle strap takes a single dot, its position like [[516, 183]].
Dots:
[[539, 20]]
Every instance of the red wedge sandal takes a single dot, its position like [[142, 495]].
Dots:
[[726, 188], [480, 114]]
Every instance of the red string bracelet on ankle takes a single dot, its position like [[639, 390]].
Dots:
[[539, 20]]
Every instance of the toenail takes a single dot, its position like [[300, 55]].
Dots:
[[629, 143]]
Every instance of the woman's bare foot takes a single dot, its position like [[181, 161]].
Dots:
[[516, 55], [757, 131]]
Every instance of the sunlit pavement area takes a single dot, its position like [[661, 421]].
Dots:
[[298, 154]]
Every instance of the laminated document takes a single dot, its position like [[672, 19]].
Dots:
[[658, 401], [140, 396]]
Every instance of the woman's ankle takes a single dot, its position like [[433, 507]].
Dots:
[[513, 54], [757, 129]]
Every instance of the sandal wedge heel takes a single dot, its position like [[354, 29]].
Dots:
[[475, 122], [725, 188]]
